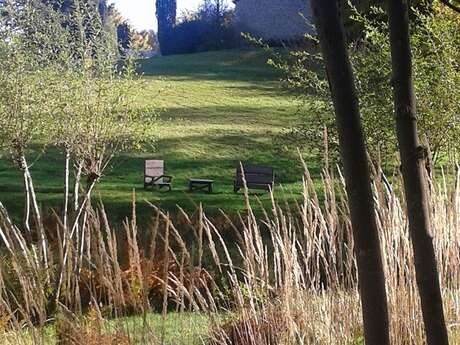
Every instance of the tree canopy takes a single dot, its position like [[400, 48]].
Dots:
[[436, 48], [166, 16], [61, 29]]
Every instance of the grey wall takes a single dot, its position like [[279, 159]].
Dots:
[[273, 19]]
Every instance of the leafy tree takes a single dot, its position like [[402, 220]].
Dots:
[[209, 28], [92, 122], [217, 15], [166, 16], [92, 27], [39, 28], [144, 40], [124, 35], [153, 41], [25, 108], [130, 39], [77, 104], [53, 28], [436, 53], [413, 157], [215, 10]]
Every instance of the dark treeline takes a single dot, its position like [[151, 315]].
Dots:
[[211, 27]]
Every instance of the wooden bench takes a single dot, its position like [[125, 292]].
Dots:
[[154, 175], [256, 177]]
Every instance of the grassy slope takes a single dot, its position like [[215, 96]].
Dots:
[[216, 108], [174, 329]]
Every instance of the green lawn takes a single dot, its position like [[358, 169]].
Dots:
[[174, 329], [215, 109]]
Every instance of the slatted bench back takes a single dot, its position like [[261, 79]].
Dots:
[[154, 168], [255, 175]]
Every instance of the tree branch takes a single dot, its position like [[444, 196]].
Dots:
[[452, 4]]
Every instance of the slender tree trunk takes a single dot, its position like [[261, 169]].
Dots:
[[65, 211], [356, 171], [76, 189], [413, 164], [74, 232], [85, 240], [39, 221], [76, 199], [85, 237], [32, 200], [26, 220]]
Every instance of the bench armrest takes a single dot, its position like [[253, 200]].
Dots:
[[166, 178]]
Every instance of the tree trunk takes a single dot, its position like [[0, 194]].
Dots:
[[74, 231], [65, 211], [26, 220], [76, 189], [356, 171], [32, 199], [413, 164]]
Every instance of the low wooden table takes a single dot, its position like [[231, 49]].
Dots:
[[195, 185]]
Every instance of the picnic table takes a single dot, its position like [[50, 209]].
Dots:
[[195, 185]]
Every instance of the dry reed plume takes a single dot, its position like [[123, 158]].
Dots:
[[287, 277]]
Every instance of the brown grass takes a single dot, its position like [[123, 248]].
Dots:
[[288, 277], [72, 331]]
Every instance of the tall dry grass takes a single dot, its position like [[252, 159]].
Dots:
[[286, 277]]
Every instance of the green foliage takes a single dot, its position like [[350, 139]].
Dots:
[[56, 33], [436, 48], [124, 34], [25, 106], [211, 27], [437, 80], [64, 89], [93, 118], [36, 30]]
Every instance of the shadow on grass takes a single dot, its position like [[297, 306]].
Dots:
[[242, 114], [237, 64]]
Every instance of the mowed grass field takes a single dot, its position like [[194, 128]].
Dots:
[[193, 326], [214, 109]]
